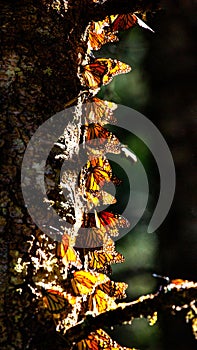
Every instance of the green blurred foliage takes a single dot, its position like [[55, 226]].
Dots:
[[140, 334]]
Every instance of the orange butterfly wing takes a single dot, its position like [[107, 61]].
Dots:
[[124, 22], [98, 36], [178, 281], [99, 139], [84, 282], [99, 302], [100, 196], [93, 176], [90, 238], [106, 220], [101, 71], [104, 296], [54, 301], [93, 73], [98, 259], [116, 67], [68, 254], [98, 171], [99, 111], [99, 340], [94, 238], [114, 289], [94, 131]]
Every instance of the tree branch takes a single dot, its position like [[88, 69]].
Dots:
[[145, 306]]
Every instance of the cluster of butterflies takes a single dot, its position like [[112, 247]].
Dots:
[[89, 280], [96, 176], [88, 255], [102, 70]]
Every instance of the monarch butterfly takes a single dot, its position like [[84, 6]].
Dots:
[[104, 296], [102, 162], [84, 282], [67, 252], [54, 301], [99, 140], [96, 173], [98, 259], [106, 220], [126, 21], [97, 135], [98, 36], [96, 176], [99, 111], [99, 340], [101, 72]]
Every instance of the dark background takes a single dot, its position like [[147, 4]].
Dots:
[[162, 86]]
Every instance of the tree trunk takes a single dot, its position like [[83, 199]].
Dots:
[[41, 48]]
